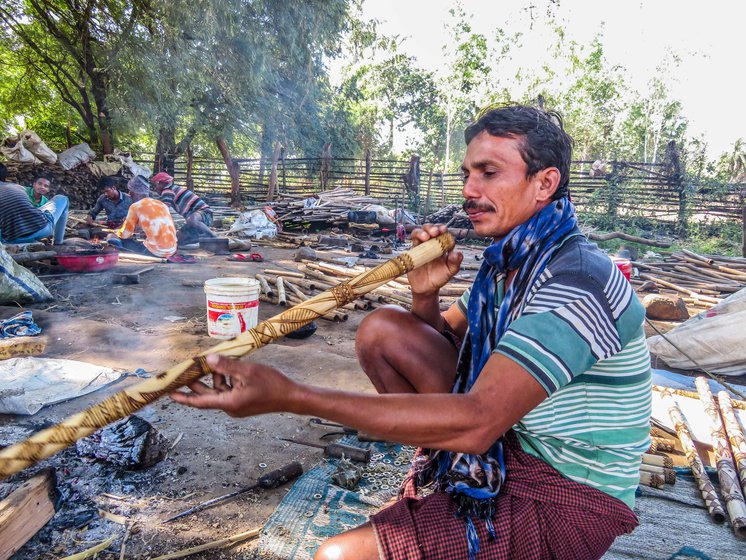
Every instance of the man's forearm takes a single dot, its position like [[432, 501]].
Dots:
[[433, 420]]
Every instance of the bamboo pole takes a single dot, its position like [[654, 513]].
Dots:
[[714, 507], [220, 543], [17, 457], [735, 435], [729, 487], [741, 405]]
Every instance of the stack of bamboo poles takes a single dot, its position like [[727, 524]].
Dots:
[[283, 287], [728, 445], [332, 207], [700, 281]]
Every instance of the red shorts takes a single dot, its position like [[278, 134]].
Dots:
[[539, 514]]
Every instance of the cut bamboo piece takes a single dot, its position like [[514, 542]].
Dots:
[[669, 475], [281, 298], [47, 442], [735, 435], [714, 507], [657, 460], [264, 285], [651, 479], [729, 486]]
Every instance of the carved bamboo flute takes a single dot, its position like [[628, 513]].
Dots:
[[47, 442]]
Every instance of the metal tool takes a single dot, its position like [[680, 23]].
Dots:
[[337, 450], [272, 479], [346, 430]]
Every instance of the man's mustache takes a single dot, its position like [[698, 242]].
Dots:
[[477, 207]]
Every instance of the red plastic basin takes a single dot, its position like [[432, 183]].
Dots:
[[77, 262]]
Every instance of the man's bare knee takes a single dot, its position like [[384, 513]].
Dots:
[[376, 328]]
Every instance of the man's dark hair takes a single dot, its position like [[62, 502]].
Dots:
[[543, 141], [106, 182], [3, 172], [43, 175]]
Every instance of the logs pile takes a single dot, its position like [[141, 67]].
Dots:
[[701, 281], [453, 215], [78, 184], [332, 208]]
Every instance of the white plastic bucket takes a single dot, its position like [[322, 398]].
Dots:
[[232, 306]]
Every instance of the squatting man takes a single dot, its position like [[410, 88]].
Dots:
[[529, 398]]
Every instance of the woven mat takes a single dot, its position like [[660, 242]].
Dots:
[[316, 509]]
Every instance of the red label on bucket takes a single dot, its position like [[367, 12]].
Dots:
[[229, 306]]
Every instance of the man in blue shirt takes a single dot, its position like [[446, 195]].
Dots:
[[113, 202]]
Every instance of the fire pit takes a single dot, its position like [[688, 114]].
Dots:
[[88, 261]]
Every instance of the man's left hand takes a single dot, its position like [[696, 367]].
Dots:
[[240, 388]]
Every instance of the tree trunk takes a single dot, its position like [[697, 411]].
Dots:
[[273, 174], [190, 166], [165, 149], [234, 170]]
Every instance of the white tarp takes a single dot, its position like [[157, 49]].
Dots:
[[28, 384], [255, 224], [714, 339]]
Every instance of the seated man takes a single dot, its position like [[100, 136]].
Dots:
[[192, 208], [153, 217], [39, 190], [21, 222], [113, 201], [530, 398]]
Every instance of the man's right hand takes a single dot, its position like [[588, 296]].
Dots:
[[89, 221], [427, 280]]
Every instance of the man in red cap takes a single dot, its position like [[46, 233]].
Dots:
[[192, 208]]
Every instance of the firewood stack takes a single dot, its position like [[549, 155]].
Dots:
[[701, 281], [78, 184], [332, 208]]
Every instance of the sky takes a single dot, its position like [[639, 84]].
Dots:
[[639, 35]]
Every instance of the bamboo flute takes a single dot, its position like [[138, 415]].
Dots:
[[714, 507], [735, 435], [15, 458], [729, 486]]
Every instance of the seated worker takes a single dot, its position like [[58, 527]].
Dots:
[[22, 222], [530, 397], [39, 190], [113, 201], [192, 208], [153, 217]]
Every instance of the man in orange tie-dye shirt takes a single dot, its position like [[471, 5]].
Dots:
[[153, 217]]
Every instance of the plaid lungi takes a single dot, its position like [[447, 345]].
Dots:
[[539, 514]]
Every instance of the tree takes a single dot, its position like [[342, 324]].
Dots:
[[72, 45]]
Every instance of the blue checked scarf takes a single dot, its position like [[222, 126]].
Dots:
[[474, 480]]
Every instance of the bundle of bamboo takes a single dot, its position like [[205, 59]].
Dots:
[[702, 281]]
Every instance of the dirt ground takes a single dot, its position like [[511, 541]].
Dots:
[[123, 327]]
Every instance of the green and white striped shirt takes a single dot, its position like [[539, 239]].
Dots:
[[580, 335]]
